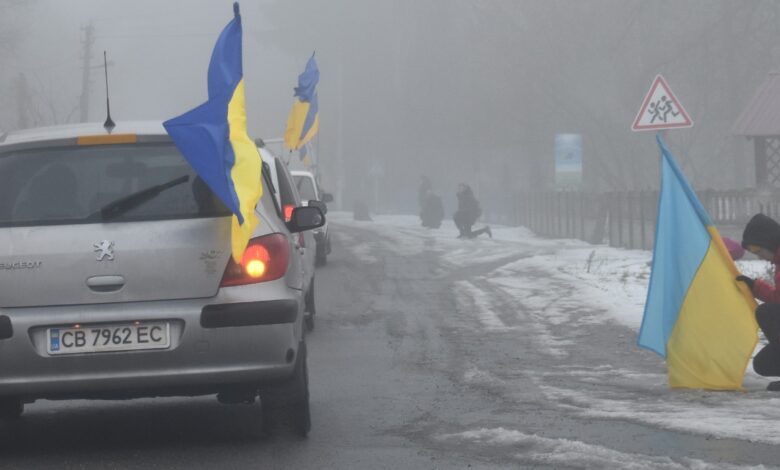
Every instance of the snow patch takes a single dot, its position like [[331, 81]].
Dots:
[[364, 251], [576, 454], [468, 295], [719, 414]]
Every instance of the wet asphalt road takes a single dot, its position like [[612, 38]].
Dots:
[[397, 368]]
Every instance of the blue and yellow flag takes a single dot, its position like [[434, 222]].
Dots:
[[696, 316], [214, 140], [304, 120]]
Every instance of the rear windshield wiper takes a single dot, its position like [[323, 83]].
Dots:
[[131, 201]]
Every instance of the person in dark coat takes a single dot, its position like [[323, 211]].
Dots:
[[467, 214], [432, 211], [360, 211], [762, 238], [423, 189]]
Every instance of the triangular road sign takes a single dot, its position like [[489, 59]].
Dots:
[[661, 109]]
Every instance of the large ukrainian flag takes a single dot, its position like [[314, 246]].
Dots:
[[696, 316], [304, 120], [214, 140]]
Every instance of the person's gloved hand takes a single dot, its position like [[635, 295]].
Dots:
[[746, 280]]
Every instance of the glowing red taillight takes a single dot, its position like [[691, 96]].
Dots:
[[265, 259], [288, 210]]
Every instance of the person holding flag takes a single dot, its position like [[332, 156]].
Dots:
[[762, 238], [213, 138], [304, 120], [696, 316]]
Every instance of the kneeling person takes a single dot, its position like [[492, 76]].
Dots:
[[762, 238]]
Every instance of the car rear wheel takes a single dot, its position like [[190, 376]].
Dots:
[[300, 412], [291, 399], [308, 322], [321, 257], [11, 408], [310, 308]]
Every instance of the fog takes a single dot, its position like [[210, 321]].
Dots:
[[459, 90]]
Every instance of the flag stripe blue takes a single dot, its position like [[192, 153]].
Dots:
[[681, 243]]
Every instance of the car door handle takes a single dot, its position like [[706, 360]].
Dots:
[[105, 283]]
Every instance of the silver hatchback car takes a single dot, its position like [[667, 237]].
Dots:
[[116, 278]]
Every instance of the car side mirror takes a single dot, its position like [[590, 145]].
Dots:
[[305, 218], [327, 197], [321, 205]]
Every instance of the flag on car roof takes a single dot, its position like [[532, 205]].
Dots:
[[696, 315], [304, 120], [213, 137]]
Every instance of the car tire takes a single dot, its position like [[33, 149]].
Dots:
[[291, 399], [321, 258], [310, 308], [11, 408], [300, 411]]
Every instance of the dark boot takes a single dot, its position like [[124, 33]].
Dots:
[[774, 386]]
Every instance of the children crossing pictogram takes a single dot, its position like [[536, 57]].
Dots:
[[661, 109]]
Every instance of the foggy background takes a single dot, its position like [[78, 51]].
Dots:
[[459, 90]]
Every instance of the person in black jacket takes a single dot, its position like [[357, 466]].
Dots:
[[432, 211], [467, 214], [762, 238]]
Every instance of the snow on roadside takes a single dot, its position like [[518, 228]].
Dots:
[[612, 284], [576, 454], [746, 416], [610, 280]]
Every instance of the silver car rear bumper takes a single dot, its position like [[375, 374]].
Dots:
[[239, 347]]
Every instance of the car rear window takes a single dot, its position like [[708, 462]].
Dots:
[[305, 187], [67, 185], [287, 192]]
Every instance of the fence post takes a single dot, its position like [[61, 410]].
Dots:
[[611, 214], [582, 215], [554, 212], [561, 214], [537, 227], [620, 219], [558, 219], [630, 216], [642, 203], [566, 210], [548, 214], [573, 214]]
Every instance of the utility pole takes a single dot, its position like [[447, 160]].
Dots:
[[89, 39], [341, 176]]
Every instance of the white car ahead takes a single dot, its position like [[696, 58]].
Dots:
[[310, 190]]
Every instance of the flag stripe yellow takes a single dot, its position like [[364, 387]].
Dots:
[[245, 173], [715, 333]]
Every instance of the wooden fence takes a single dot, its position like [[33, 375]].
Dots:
[[627, 218]]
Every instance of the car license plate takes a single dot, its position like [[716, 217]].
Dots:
[[106, 338]]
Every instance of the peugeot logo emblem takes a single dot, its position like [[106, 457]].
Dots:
[[104, 249]]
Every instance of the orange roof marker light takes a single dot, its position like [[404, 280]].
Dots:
[[107, 139]]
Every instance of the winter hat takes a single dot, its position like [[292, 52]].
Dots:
[[762, 231]]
